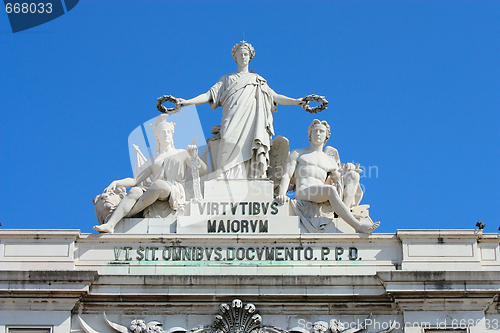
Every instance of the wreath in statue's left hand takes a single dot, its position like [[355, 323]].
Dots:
[[315, 98]]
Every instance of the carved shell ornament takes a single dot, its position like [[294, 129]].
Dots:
[[168, 98], [234, 318], [315, 98]]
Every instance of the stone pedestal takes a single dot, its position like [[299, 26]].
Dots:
[[239, 190], [238, 206], [138, 226]]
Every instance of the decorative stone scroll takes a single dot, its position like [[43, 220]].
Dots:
[[234, 318]]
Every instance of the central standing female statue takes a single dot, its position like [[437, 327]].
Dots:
[[247, 121]]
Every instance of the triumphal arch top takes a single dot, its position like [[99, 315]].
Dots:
[[246, 236]]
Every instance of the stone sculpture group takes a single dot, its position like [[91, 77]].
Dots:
[[242, 148]]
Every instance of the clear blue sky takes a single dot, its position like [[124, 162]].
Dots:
[[414, 91]]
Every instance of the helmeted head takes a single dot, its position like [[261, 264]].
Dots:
[[163, 131], [244, 45], [319, 125]]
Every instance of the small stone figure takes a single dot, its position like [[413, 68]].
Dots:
[[310, 167], [138, 326], [320, 327], [336, 326], [167, 172]]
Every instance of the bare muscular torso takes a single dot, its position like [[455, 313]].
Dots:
[[312, 168]]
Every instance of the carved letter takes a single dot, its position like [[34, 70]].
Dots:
[[221, 227], [240, 253], [252, 256], [253, 224], [260, 252], [274, 208], [199, 253], [215, 208], [118, 250], [127, 253], [140, 253], [263, 226], [211, 226], [324, 252], [186, 253], [308, 253], [165, 251], [153, 253], [224, 205], [288, 253], [269, 253], [265, 207], [353, 253], [234, 207], [298, 252], [230, 253], [279, 253], [244, 226], [208, 252], [218, 253], [243, 204], [256, 208], [176, 253], [202, 207], [338, 253], [235, 226]]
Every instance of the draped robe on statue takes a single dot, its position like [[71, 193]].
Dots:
[[172, 170], [247, 124]]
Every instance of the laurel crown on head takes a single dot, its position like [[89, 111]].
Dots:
[[243, 44]]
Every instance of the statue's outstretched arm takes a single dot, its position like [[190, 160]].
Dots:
[[198, 100], [284, 100]]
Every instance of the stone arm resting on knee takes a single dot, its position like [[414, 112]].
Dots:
[[131, 182]]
